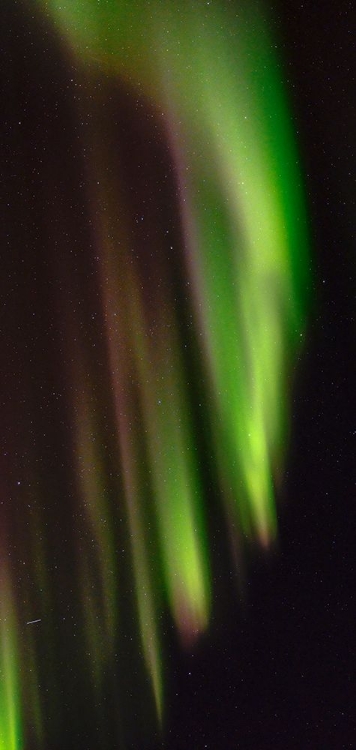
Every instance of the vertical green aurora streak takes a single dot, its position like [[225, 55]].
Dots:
[[10, 708], [212, 74]]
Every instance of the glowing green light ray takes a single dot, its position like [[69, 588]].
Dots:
[[95, 498], [146, 599], [177, 490], [120, 338], [10, 698]]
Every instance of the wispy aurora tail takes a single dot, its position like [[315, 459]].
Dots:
[[214, 79]]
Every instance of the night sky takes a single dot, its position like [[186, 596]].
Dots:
[[178, 402]]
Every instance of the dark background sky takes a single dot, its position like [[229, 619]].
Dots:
[[279, 670]]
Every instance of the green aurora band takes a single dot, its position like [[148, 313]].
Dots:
[[10, 702], [214, 78], [242, 207]]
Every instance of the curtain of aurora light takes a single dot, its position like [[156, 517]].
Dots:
[[210, 76]]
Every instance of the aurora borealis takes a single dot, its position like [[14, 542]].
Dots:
[[241, 229], [163, 227]]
